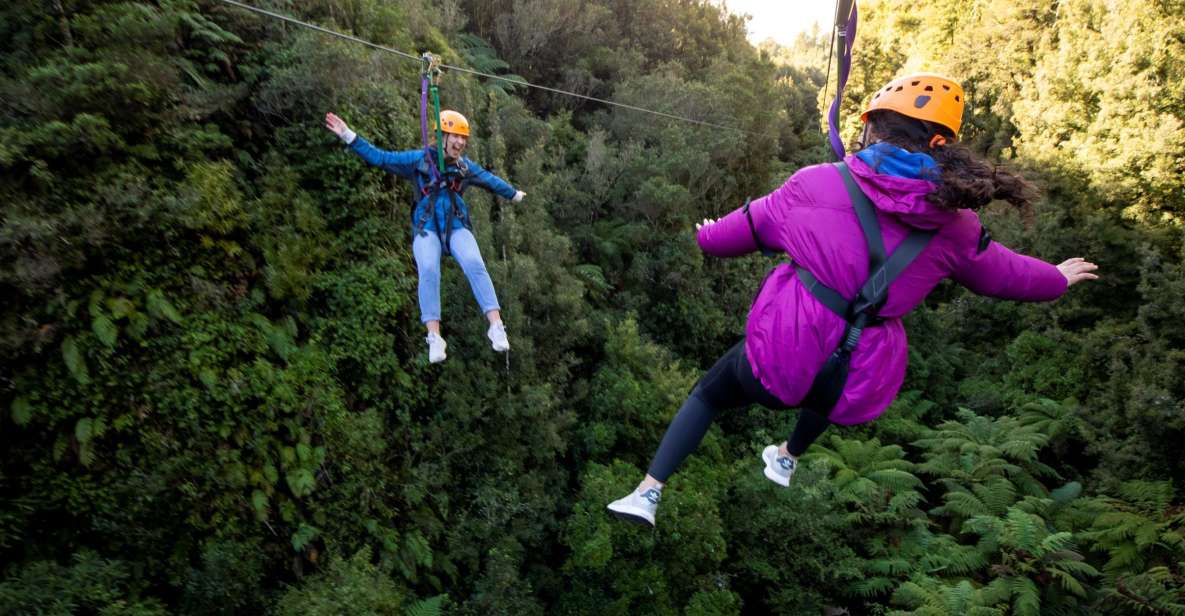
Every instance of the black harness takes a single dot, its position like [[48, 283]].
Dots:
[[454, 184], [861, 311]]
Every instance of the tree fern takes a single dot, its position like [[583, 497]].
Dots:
[[869, 476], [928, 596], [433, 606], [1026, 598], [870, 587], [994, 458], [483, 58], [1157, 591], [1048, 417], [962, 502], [1139, 530], [947, 556], [1023, 532]]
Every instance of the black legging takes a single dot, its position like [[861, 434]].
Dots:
[[727, 385]]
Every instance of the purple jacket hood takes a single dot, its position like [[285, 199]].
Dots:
[[904, 198]]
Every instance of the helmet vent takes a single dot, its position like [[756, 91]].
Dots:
[[946, 87], [899, 88], [929, 88], [914, 83], [956, 98]]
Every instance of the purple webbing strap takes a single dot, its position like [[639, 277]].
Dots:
[[424, 110], [845, 63], [424, 120]]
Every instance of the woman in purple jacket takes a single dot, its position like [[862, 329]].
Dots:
[[917, 177]]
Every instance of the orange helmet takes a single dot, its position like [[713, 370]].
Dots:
[[924, 96], [453, 122]]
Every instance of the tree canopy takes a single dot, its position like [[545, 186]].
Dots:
[[216, 398]]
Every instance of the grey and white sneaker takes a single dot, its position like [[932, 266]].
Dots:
[[778, 468], [436, 346], [497, 336], [637, 506]]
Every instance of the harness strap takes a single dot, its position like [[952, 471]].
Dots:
[[428, 215], [866, 213], [860, 312], [753, 230], [876, 289], [826, 295], [985, 240]]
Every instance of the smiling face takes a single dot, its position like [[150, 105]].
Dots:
[[454, 145]]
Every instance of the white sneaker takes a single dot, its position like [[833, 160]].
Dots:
[[436, 346], [778, 468], [637, 506], [497, 335]]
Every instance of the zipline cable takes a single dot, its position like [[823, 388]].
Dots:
[[459, 69]]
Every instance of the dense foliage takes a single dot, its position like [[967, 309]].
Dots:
[[215, 390]]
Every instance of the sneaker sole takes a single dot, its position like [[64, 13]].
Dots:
[[632, 514], [774, 477]]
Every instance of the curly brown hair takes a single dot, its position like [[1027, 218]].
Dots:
[[966, 179]]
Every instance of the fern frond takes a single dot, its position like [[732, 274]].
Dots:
[[1026, 598], [1068, 582], [1057, 542], [897, 480], [965, 504], [873, 586], [1023, 531], [433, 606], [1077, 568]]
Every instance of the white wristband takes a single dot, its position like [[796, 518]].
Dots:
[[348, 136]]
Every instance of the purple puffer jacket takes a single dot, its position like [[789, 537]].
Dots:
[[790, 334]]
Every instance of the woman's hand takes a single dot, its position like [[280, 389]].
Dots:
[[518, 196], [339, 127], [706, 222], [1077, 270]]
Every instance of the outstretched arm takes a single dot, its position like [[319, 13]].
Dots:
[[402, 163], [479, 176], [999, 272], [746, 229]]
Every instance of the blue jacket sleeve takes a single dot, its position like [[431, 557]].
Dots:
[[478, 176], [402, 164]]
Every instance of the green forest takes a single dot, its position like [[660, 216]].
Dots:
[[215, 396]]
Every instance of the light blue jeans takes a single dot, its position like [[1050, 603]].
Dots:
[[463, 245]]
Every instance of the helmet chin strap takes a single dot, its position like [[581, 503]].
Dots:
[[864, 137]]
